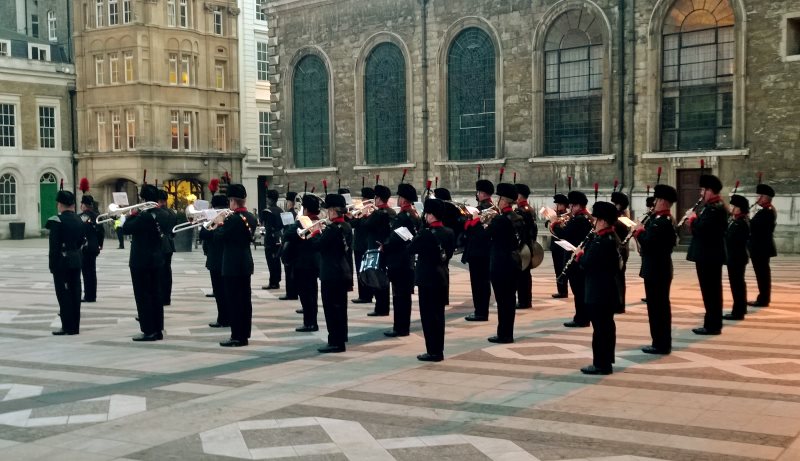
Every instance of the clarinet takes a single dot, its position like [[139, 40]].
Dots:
[[689, 212], [644, 220], [580, 247]]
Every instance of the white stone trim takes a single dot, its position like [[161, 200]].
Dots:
[[698, 154], [572, 158], [14, 99], [327, 169], [391, 166], [785, 37], [492, 161]]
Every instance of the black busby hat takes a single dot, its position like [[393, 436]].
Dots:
[[382, 192], [484, 185], [65, 197], [507, 190], [367, 193], [650, 201], [149, 193], [162, 194], [523, 190], [618, 198], [741, 202], [311, 203], [442, 194], [407, 191], [272, 195], [291, 196], [237, 191], [335, 201], [578, 198], [709, 181], [560, 199], [87, 200], [343, 190], [606, 211], [435, 207], [763, 189], [665, 192], [219, 201]]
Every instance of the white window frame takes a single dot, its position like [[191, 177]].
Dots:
[[102, 135], [99, 13], [264, 136], [130, 129], [38, 48], [183, 14], [172, 78], [221, 132], [172, 13], [174, 130], [113, 12], [260, 15], [5, 47], [56, 107], [99, 70], [219, 75], [51, 26], [219, 29], [113, 68], [116, 132], [127, 11], [187, 131], [262, 65], [13, 202], [186, 70], [128, 67], [12, 101]]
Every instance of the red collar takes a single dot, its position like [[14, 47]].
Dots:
[[522, 203], [437, 224], [382, 206], [339, 220], [740, 215], [240, 210], [407, 207], [663, 213], [713, 200], [583, 211], [507, 209], [606, 231]]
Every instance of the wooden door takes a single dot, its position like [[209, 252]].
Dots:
[[688, 186]]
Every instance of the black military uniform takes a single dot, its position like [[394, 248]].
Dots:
[[400, 263], [601, 262], [146, 261], [506, 233], [336, 273], [236, 235], [378, 226], [576, 231], [94, 243], [167, 219], [288, 271], [273, 233], [67, 236], [476, 254], [656, 242], [214, 250], [359, 248], [305, 267], [736, 236], [434, 245], [621, 201], [762, 246], [452, 218], [558, 254], [525, 281], [707, 251]]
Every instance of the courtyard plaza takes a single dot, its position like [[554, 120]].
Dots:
[[99, 396]]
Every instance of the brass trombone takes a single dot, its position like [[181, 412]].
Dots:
[[201, 218], [115, 210]]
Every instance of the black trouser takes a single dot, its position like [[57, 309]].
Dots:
[[334, 306], [273, 255], [524, 289], [291, 289], [218, 286], [623, 286], [166, 280], [577, 281], [504, 287], [558, 267], [239, 305], [89, 270], [481, 284], [738, 289], [402, 286], [710, 278], [763, 278], [604, 334], [381, 300], [68, 294], [121, 237], [146, 291], [364, 292], [306, 283], [659, 311], [431, 313]]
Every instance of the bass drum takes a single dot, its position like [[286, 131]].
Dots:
[[537, 255]]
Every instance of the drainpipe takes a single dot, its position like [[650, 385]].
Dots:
[[73, 138], [621, 90], [424, 82]]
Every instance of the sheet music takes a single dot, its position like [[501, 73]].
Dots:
[[201, 205], [348, 199], [287, 218], [626, 221], [120, 198], [565, 245], [404, 233]]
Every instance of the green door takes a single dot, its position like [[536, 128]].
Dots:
[[47, 198]]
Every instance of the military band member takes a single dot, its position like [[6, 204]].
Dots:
[[288, 270], [359, 248], [650, 203], [236, 235], [528, 214], [621, 201], [506, 233], [214, 265], [736, 235], [434, 245], [453, 219], [400, 261], [95, 236], [273, 232], [575, 231], [762, 243], [67, 236], [558, 254], [167, 219], [656, 240], [601, 261], [378, 226], [476, 254], [707, 251], [146, 261], [306, 267]]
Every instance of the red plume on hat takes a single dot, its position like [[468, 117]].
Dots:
[[84, 185], [213, 185]]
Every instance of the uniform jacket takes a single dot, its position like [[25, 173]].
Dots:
[[145, 240], [762, 228], [378, 226], [505, 234], [236, 235], [656, 243], [213, 248], [576, 229], [476, 240], [67, 235], [622, 232], [601, 264], [530, 231], [736, 236], [302, 253], [273, 226], [434, 247], [395, 249], [708, 234], [288, 251], [554, 248], [335, 249], [167, 219], [94, 233]]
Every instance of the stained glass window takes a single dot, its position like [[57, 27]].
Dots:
[[310, 114], [385, 105]]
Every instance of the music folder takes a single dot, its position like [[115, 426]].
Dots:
[[565, 245], [404, 233]]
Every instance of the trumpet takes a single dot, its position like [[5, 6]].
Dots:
[[363, 209], [308, 226], [115, 210], [221, 216]]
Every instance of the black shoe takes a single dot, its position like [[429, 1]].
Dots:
[[704, 331], [559, 295], [593, 370], [476, 318], [361, 301], [120, 248], [287, 298], [307, 328], [210, 295], [430, 358], [270, 287], [572, 324], [757, 303], [88, 300], [64, 333], [655, 350], [644, 300], [234, 343], [499, 340], [733, 317], [377, 314], [299, 311], [137, 318], [218, 325], [522, 307], [147, 337], [331, 349], [394, 334]]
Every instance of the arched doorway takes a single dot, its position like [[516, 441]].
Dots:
[[48, 188]]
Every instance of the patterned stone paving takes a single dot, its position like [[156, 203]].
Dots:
[[99, 396]]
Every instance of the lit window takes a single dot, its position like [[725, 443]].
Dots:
[[173, 68], [127, 11], [99, 66], [116, 132], [219, 139], [261, 60], [128, 66], [100, 13], [8, 194], [219, 76], [8, 125], [217, 22], [47, 127], [130, 128], [113, 12], [173, 129], [102, 145], [187, 131], [185, 80], [171, 13], [51, 26], [113, 61], [264, 137], [183, 14]]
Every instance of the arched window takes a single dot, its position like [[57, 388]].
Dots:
[[573, 92], [471, 96], [311, 141], [385, 105], [697, 76], [47, 178], [8, 194]]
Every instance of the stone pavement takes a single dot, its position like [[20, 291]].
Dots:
[[99, 396]]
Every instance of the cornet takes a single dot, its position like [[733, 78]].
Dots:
[[114, 210], [221, 216], [307, 227], [363, 209]]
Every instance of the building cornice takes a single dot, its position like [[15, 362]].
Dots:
[[26, 71], [278, 6]]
